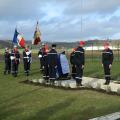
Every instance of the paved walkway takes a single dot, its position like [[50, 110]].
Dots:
[[87, 82], [113, 116]]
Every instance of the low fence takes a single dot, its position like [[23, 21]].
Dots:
[[91, 52]]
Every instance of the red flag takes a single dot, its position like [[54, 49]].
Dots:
[[21, 41], [18, 39]]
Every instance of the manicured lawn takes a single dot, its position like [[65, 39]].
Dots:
[[94, 69], [19, 101]]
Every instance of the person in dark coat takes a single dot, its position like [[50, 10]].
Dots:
[[45, 64], [7, 61], [52, 63], [27, 59], [59, 68], [79, 63], [40, 56], [15, 60], [72, 61], [107, 60]]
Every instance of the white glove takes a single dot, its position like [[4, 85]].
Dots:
[[12, 58], [27, 53], [40, 56]]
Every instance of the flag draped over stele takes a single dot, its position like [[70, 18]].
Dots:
[[37, 34]]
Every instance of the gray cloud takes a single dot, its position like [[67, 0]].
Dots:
[[60, 20]]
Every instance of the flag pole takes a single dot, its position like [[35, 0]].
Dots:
[[37, 27], [81, 17], [12, 44]]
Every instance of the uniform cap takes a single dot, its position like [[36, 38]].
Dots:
[[106, 43], [81, 43]]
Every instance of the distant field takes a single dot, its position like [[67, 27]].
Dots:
[[89, 54], [19, 101], [93, 66], [21, 50]]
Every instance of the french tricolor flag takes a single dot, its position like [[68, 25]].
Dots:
[[18, 39]]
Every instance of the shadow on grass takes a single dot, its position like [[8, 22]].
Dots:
[[9, 111], [83, 114], [48, 112], [86, 113], [20, 95]]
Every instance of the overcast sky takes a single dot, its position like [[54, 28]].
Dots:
[[60, 20]]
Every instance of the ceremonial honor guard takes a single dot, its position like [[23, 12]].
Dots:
[[72, 61], [7, 61], [27, 58], [52, 63], [107, 60], [45, 64], [40, 56], [15, 60], [79, 63]]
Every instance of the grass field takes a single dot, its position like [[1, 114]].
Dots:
[[19, 101]]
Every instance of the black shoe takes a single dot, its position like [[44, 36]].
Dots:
[[9, 72], [4, 72], [79, 85], [48, 82], [106, 83], [73, 76], [27, 74], [52, 83], [15, 75]]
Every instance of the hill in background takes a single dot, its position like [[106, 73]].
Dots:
[[8, 43]]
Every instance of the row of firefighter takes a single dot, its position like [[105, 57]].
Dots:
[[56, 66]]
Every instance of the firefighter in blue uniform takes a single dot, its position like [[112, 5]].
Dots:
[[7, 61], [52, 63], [79, 63], [27, 58], [40, 56], [107, 60], [15, 60], [72, 61], [45, 64]]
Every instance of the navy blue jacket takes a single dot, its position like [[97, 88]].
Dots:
[[107, 56], [7, 57], [16, 55], [72, 58], [52, 57], [79, 56]]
